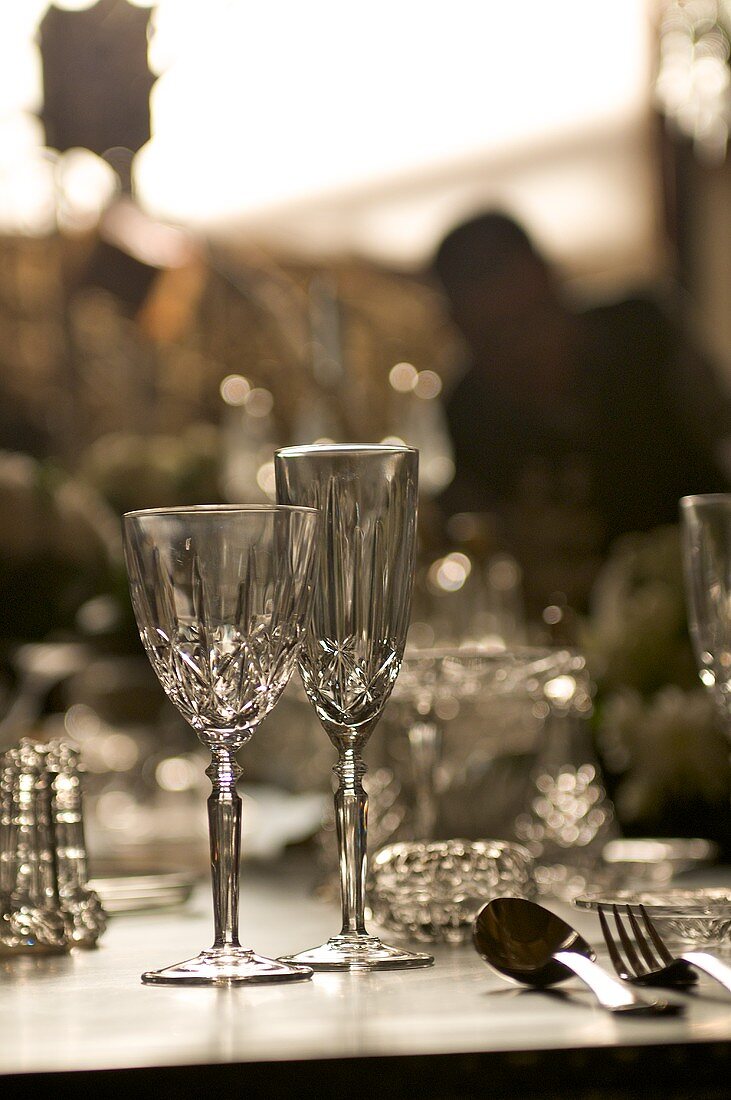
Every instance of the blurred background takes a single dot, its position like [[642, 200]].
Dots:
[[227, 227]]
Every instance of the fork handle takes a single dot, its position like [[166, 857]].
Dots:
[[710, 965], [611, 993]]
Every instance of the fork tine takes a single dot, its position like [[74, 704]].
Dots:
[[662, 950], [614, 953], [635, 961], [641, 940]]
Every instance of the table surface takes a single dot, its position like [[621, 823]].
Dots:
[[89, 1011]]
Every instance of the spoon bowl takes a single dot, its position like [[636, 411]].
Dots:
[[519, 939]]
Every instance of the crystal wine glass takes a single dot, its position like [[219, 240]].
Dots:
[[706, 525], [222, 596], [355, 644]]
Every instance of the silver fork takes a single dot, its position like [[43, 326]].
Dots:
[[654, 963]]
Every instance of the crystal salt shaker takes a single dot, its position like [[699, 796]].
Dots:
[[81, 903], [32, 919]]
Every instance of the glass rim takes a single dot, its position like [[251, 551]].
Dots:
[[229, 509], [341, 448], [694, 499]]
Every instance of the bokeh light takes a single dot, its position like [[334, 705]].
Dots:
[[265, 479], [85, 185], [235, 389], [693, 79], [427, 385], [448, 574], [259, 402], [403, 377], [178, 773]]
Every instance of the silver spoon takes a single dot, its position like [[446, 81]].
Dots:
[[529, 944]]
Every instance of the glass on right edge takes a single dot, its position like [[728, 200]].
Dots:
[[706, 526]]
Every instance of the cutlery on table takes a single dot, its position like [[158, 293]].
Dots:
[[531, 945], [645, 959]]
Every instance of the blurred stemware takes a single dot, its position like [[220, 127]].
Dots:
[[568, 817], [40, 666], [419, 686], [222, 596], [355, 644], [440, 675], [706, 527]]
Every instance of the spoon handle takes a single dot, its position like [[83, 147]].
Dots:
[[710, 965], [611, 993]]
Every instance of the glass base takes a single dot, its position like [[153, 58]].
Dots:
[[227, 966], [358, 953]]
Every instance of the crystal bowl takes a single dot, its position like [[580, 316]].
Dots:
[[432, 890], [701, 918]]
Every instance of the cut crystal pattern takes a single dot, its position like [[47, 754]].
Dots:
[[223, 662], [432, 891], [220, 678]]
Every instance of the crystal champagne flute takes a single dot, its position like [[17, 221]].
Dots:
[[706, 528], [355, 643], [222, 596]]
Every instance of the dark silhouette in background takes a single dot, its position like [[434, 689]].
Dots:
[[96, 81], [571, 428]]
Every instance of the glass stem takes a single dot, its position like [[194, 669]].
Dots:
[[351, 817], [425, 743], [224, 830]]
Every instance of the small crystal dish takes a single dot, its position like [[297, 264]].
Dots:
[[139, 893], [683, 917], [432, 890], [647, 862]]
